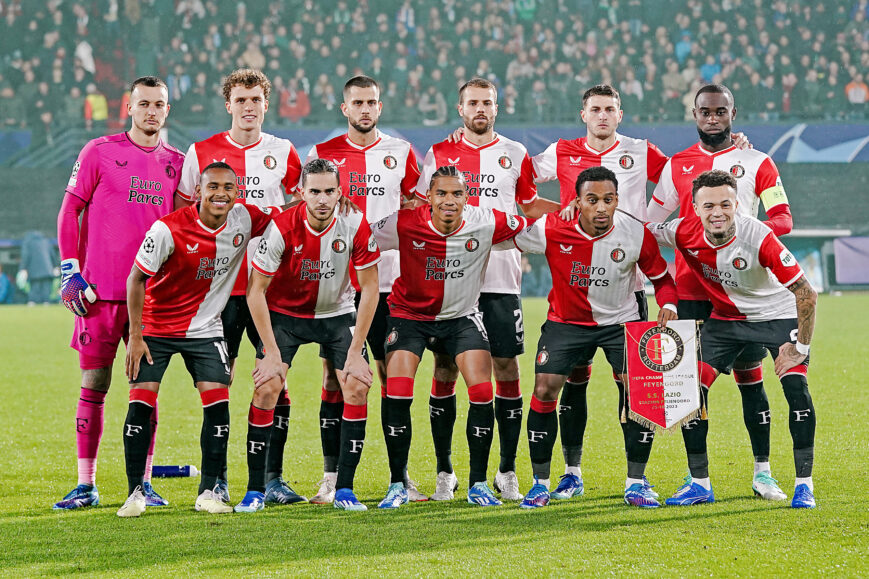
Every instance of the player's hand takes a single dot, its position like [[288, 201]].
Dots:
[[358, 368], [741, 141], [75, 292], [136, 348], [346, 207], [665, 315], [266, 369], [456, 135], [569, 212], [787, 358]]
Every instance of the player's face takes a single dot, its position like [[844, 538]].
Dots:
[[478, 109], [716, 208], [217, 190], [597, 204], [601, 115], [321, 193], [362, 108], [714, 114], [247, 106], [447, 197], [149, 107]]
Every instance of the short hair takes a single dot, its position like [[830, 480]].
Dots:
[[248, 78], [447, 171], [360, 81], [319, 167], [477, 82], [714, 89], [601, 90], [217, 165], [150, 81], [713, 178], [596, 174]]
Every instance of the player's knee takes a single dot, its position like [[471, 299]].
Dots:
[[796, 390], [445, 369], [97, 379], [355, 392], [546, 387], [580, 374], [505, 369]]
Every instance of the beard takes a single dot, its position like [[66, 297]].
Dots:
[[476, 129], [722, 237], [363, 129], [714, 139]]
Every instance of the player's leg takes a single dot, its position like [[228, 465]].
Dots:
[[442, 417], [572, 420], [331, 410]]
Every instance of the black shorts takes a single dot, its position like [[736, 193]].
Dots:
[[502, 317], [377, 332], [701, 310], [450, 337], [236, 319], [206, 359], [563, 346], [334, 336], [721, 341]]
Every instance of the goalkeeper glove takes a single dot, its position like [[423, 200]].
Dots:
[[74, 290]]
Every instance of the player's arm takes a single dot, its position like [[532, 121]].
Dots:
[[793, 354], [410, 180], [665, 198], [136, 347], [271, 365], [531, 239], [545, 164], [654, 267], [539, 207], [665, 233], [356, 366], [180, 201], [386, 232], [769, 188], [75, 292]]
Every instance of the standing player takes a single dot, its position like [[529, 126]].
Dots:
[[443, 248], [760, 299], [594, 262], [300, 292], [131, 179], [378, 173], [189, 261], [267, 168], [500, 176], [757, 180]]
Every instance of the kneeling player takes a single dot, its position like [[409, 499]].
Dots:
[[192, 257], [593, 262], [443, 251], [760, 298], [300, 293]]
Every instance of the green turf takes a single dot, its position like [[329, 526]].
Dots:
[[597, 534]]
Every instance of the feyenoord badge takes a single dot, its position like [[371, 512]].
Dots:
[[472, 244], [170, 171], [617, 255], [238, 240], [270, 162], [740, 263], [505, 162], [737, 171], [542, 357], [392, 337], [661, 349], [626, 162], [339, 245], [390, 162]]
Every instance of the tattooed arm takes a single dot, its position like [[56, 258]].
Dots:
[[789, 354]]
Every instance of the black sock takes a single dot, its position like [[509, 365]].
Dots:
[[278, 439], [801, 422], [638, 440], [259, 427], [137, 440], [756, 415], [542, 430], [572, 419], [508, 414], [398, 436], [214, 438], [330, 433], [352, 440], [480, 432], [442, 416], [694, 434]]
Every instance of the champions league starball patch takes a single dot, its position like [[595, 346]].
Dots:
[[339, 246], [148, 245], [390, 162], [505, 162], [238, 240], [626, 162], [263, 246]]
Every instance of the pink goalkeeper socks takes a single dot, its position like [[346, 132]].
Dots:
[[88, 431]]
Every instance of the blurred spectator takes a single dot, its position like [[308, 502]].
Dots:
[[13, 110], [433, 107], [7, 288], [295, 105], [96, 109], [858, 94], [39, 261]]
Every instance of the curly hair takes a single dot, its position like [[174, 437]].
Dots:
[[248, 78]]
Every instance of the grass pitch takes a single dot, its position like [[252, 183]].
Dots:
[[596, 534]]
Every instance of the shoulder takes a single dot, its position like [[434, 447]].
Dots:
[[390, 142], [627, 222], [272, 141], [172, 153], [632, 143], [514, 147], [180, 218]]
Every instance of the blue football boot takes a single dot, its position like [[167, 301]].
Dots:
[[80, 496]]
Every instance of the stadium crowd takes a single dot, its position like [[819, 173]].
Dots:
[[61, 62]]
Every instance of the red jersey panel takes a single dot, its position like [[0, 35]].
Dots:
[[746, 278], [375, 178], [193, 268], [594, 278], [311, 269], [499, 175], [441, 275], [756, 177]]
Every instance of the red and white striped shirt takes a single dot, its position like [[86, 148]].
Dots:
[[747, 277], [499, 176], [375, 178], [757, 178], [311, 269], [593, 278], [441, 275], [193, 268]]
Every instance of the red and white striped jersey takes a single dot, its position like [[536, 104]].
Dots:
[[594, 278], [193, 268], [375, 178], [757, 178], [499, 176], [634, 161], [441, 275], [266, 171], [311, 269], [747, 277]]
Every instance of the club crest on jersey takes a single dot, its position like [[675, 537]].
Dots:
[[391, 338], [339, 246], [661, 349], [390, 162], [270, 162], [737, 171], [262, 247], [472, 244], [512, 222], [170, 171], [740, 263], [148, 245], [238, 240], [626, 162], [617, 255], [565, 248], [505, 162], [73, 178], [542, 357]]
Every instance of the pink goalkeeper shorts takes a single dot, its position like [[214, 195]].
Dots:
[[97, 335]]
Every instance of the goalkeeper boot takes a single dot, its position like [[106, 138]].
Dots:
[[569, 486], [480, 494], [81, 496], [767, 487], [152, 499], [691, 493], [345, 500]]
